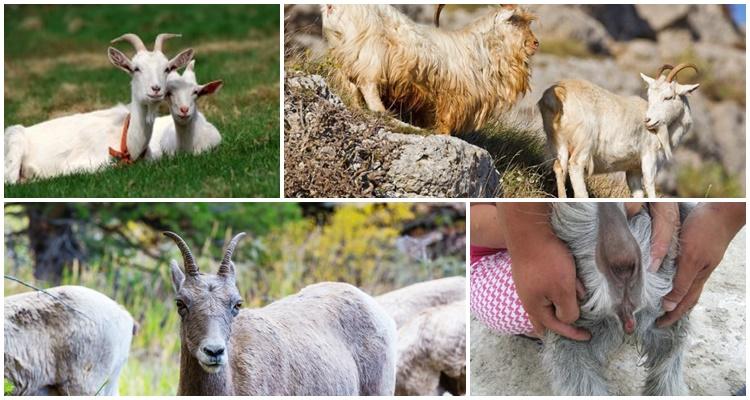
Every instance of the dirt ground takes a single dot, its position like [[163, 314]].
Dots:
[[715, 363]]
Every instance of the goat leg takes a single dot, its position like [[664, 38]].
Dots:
[[664, 350]]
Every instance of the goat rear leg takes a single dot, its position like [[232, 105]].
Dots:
[[560, 166], [15, 148], [576, 368], [664, 350], [372, 97]]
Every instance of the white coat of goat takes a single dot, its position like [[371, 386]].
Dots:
[[591, 130], [81, 142], [187, 129], [72, 341]]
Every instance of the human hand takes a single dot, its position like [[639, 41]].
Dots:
[[705, 236], [665, 220], [543, 270]]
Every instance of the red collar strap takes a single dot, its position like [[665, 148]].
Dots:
[[123, 155]]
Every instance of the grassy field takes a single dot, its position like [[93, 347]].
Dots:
[[56, 64]]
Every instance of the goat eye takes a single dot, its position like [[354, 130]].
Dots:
[[136, 69], [195, 92], [236, 308], [181, 307]]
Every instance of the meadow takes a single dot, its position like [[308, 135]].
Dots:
[[287, 248], [56, 64]]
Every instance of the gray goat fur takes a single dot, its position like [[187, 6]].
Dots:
[[73, 342], [578, 368], [404, 304]]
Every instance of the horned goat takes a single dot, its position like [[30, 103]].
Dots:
[[69, 341], [612, 255], [187, 129], [87, 142], [405, 304], [452, 81], [329, 339], [432, 352], [591, 130]]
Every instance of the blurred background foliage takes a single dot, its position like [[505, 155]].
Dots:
[[118, 249]]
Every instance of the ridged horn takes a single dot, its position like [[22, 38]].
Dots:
[[224, 267], [133, 39], [676, 70], [160, 38], [190, 267], [663, 68], [436, 18]]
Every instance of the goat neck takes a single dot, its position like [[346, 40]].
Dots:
[[194, 381], [142, 116]]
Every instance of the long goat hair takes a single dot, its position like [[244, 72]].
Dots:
[[452, 81]]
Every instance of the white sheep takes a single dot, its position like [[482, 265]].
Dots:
[[87, 142], [590, 130], [71, 344], [328, 339], [432, 352], [405, 304], [452, 81], [187, 129]]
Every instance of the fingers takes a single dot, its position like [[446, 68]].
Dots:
[[687, 304], [566, 308], [563, 329], [665, 219], [684, 279], [580, 290], [633, 208]]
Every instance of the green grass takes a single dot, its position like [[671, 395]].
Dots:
[[56, 64]]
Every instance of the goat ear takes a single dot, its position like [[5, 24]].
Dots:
[[178, 278], [210, 88], [180, 60], [120, 60], [686, 89], [504, 14], [647, 79]]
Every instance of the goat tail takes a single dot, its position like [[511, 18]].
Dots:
[[15, 150], [551, 107]]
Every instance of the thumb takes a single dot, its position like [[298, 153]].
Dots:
[[683, 280], [665, 217]]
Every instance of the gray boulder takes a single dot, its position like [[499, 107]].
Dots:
[[331, 151]]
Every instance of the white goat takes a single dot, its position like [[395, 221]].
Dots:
[[87, 142], [187, 129], [591, 130], [452, 81], [328, 339], [69, 343], [432, 352], [404, 304]]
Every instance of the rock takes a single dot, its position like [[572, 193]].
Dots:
[[330, 151], [622, 21], [660, 16], [562, 22]]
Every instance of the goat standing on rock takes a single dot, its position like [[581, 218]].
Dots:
[[329, 339], [452, 81], [591, 130]]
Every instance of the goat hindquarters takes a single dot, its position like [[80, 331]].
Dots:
[[578, 368], [15, 148]]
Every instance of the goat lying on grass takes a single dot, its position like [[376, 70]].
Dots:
[[622, 297], [329, 339], [452, 81], [86, 142]]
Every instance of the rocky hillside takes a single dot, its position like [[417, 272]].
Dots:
[[609, 45]]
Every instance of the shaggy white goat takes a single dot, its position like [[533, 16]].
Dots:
[[452, 81], [328, 339], [187, 129], [591, 130], [86, 142], [432, 352], [71, 344], [405, 304]]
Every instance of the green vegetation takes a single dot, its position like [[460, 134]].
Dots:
[[565, 47], [709, 180], [289, 246], [56, 64], [713, 85], [7, 387]]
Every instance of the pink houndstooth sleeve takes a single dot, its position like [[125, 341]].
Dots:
[[493, 298]]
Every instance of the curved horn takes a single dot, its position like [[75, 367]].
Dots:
[[436, 18], [190, 267], [226, 262], [160, 38], [663, 68], [676, 70], [133, 39]]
